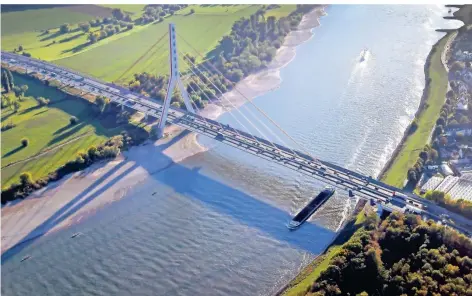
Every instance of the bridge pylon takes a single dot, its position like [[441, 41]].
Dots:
[[174, 80]]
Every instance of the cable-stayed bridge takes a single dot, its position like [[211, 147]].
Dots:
[[241, 138]]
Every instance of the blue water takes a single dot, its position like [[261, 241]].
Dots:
[[216, 225]]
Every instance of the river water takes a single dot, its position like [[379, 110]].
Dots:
[[215, 223]]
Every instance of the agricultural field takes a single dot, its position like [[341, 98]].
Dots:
[[52, 139], [282, 11], [109, 61], [213, 9], [134, 9], [37, 30]]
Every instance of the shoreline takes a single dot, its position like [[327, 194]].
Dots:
[[421, 107], [97, 186]]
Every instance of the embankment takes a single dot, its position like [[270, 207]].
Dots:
[[395, 170]]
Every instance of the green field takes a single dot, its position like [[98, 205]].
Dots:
[[47, 128], [282, 11], [110, 61], [134, 9], [27, 28], [415, 143], [36, 20], [213, 9], [108, 58]]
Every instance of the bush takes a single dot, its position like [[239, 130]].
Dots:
[[26, 178], [24, 142], [43, 101], [73, 120], [413, 126]]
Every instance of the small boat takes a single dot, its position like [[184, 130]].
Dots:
[[363, 55], [449, 11], [311, 207], [25, 258], [76, 234]]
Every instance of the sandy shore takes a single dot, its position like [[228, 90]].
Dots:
[[78, 195]]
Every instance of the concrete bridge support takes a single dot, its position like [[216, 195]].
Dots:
[[174, 80]]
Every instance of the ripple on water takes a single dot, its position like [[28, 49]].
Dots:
[[216, 225]]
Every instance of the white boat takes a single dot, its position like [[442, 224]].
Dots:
[[26, 258], [76, 234]]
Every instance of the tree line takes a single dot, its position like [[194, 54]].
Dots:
[[110, 149], [249, 47], [402, 255]]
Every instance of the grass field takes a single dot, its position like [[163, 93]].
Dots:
[[213, 9], [109, 61], [27, 28], [415, 143], [135, 9], [47, 128], [36, 20], [282, 11]]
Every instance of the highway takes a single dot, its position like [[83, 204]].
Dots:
[[344, 179]]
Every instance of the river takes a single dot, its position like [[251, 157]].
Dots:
[[214, 224]]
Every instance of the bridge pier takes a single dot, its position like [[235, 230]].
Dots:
[[174, 80]]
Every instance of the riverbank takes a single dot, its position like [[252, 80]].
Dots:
[[83, 193], [433, 98], [395, 170], [312, 271]]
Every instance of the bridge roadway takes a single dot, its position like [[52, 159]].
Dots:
[[362, 186]]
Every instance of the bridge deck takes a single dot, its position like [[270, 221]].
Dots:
[[363, 186]]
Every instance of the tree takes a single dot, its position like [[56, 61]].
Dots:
[[24, 89], [424, 155], [42, 101], [92, 37], [440, 121], [433, 154], [10, 78], [5, 82], [118, 13], [129, 26], [26, 178], [102, 103], [73, 120], [412, 176], [20, 47], [16, 106], [450, 94], [85, 27], [64, 28], [192, 11], [24, 142], [438, 130]]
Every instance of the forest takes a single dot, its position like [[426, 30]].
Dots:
[[401, 255]]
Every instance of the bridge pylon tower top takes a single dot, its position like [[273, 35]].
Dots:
[[174, 81]]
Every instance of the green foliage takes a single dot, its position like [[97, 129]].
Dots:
[[73, 120], [85, 27], [403, 255], [460, 206], [42, 101], [64, 28], [26, 178], [102, 103], [24, 142]]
